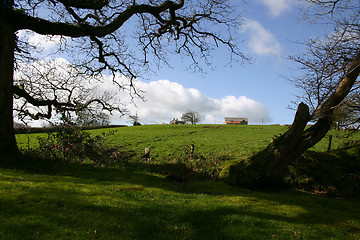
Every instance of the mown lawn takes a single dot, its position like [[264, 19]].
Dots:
[[136, 199]]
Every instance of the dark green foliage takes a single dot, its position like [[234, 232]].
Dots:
[[330, 173], [252, 172], [252, 176], [333, 173], [73, 144], [207, 165], [27, 130]]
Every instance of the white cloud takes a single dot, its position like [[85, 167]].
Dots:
[[166, 100], [278, 7], [261, 41], [42, 42]]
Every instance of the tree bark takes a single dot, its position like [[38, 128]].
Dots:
[[8, 144], [266, 169]]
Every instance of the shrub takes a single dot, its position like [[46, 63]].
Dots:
[[73, 144], [207, 165], [331, 173]]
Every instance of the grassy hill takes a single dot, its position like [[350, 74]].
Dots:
[[136, 199], [215, 146], [165, 141]]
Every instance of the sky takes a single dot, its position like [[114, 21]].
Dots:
[[257, 91]]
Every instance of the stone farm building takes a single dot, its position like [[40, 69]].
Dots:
[[177, 121], [236, 120]]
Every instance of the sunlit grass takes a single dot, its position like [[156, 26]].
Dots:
[[166, 140]]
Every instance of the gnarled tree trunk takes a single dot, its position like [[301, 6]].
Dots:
[[267, 168], [8, 144]]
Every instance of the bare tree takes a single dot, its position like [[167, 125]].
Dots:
[[347, 114], [191, 117], [74, 96], [94, 32], [135, 120], [331, 67], [89, 118]]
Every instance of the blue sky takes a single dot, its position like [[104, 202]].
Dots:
[[269, 31], [256, 91]]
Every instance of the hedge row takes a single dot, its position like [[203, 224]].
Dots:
[[24, 130]]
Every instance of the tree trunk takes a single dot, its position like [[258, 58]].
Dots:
[[8, 144], [266, 169]]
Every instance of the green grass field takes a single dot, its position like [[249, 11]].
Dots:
[[167, 142], [136, 201]]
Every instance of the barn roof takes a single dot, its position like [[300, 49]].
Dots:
[[235, 119]]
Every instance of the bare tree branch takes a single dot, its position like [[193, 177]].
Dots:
[[63, 89]]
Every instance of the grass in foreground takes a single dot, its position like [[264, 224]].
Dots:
[[84, 202], [53, 200]]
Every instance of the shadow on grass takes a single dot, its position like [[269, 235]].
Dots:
[[70, 214], [156, 207], [335, 173], [81, 219]]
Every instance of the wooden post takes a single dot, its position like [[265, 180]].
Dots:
[[147, 154], [192, 150], [329, 143]]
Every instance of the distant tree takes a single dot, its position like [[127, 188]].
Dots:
[[191, 117], [19, 125], [135, 120], [93, 34], [89, 118]]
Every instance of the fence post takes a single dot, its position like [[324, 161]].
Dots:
[[329, 143]]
